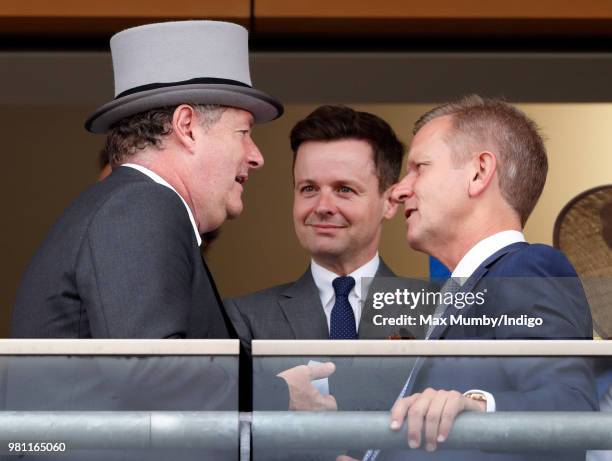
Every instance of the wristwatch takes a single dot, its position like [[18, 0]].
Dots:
[[479, 396]]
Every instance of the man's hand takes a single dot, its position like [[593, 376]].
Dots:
[[435, 411], [303, 396], [345, 458]]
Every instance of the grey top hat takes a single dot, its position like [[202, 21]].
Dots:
[[171, 63]]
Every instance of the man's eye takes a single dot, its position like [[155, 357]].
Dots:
[[345, 190], [307, 189]]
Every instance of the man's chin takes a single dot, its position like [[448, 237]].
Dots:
[[232, 212], [414, 242], [325, 251]]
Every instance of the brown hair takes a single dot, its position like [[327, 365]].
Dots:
[[332, 123], [478, 123], [148, 129]]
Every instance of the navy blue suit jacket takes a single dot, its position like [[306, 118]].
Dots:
[[545, 286]]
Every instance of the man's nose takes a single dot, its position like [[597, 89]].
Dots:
[[403, 190], [255, 158], [325, 203]]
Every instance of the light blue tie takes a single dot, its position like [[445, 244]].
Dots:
[[342, 323]]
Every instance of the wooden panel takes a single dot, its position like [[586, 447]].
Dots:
[[434, 18], [87, 27], [443, 28], [69, 18], [316, 18], [126, 9], [434, 9]]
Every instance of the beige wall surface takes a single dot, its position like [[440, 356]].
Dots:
[[260, 248], [261, 245], [48, 158], [579, 143]]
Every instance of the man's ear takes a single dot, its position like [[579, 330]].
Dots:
[[390, 205], [184, 121], [483, 170]]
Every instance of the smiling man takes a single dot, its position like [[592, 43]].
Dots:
[[345, 163], [124, 259], [338, 208]]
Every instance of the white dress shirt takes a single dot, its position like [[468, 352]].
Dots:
[[482, 250], [470, 262], [159, 180], [323, 279]]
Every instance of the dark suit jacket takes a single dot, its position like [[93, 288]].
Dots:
[[289, 311], [294, 311], [545, 285], [121, 262]]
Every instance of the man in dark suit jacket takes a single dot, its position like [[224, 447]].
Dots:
[[124, 261], [475, 172], [345, 163], [288, 311], [521, 282]]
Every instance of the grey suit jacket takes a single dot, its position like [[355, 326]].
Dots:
[[294, 311], [289, 311], [121, 262]]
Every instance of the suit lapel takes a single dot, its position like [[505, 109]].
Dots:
[[366, 329], [383, 270], [439, 330], [302, 307], [217, 299], [469, 285], [471, 282]]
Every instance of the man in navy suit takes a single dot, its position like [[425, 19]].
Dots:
[[476, 169]]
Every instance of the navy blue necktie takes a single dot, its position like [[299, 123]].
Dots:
[[342, 324]]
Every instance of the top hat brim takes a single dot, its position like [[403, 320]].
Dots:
[[263, 107]]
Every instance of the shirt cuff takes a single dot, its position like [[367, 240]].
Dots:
[[490, 403]]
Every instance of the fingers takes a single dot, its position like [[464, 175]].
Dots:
[[303, 395], [312, 400], [345, 458], [295, 374], [430, 413], [329, 403], [454, 405], [432, 419], [321, 370], [399, 410], [416, 416]]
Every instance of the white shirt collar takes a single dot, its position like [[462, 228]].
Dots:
[[482, 250], [323, 278], [158, 179]]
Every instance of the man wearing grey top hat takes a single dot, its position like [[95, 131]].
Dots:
[[123, 261]]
